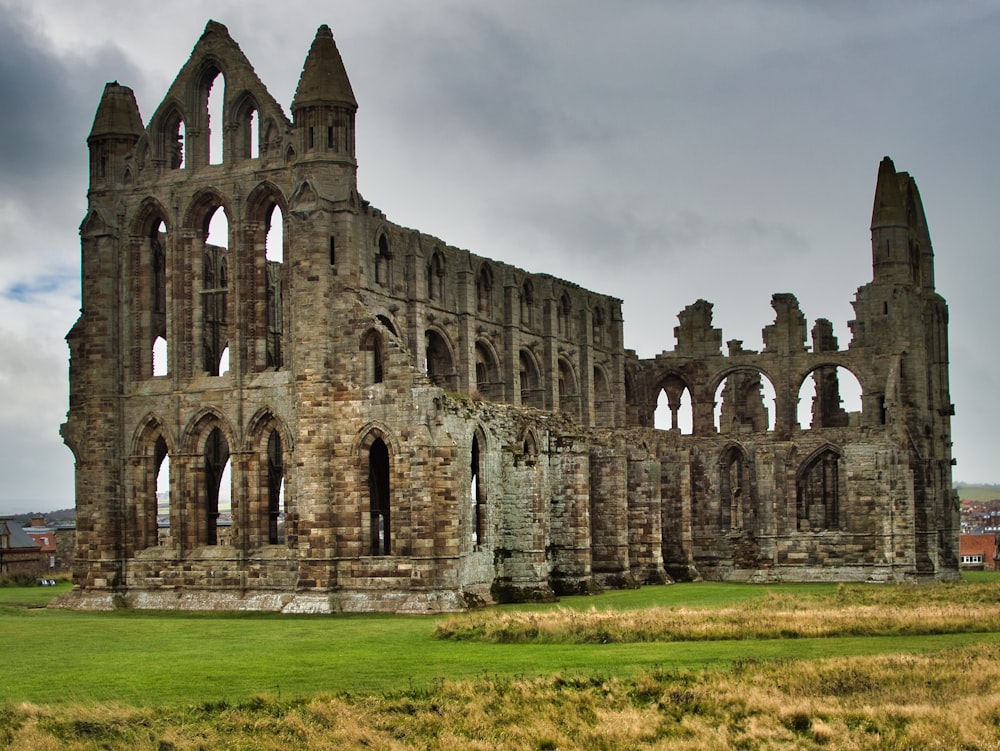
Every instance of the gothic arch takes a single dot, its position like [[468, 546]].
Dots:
[[604, 401], [148, 217], [489, 381], [530, 380], [741, 400], [268, 446], [826, 409], [479, 490], [376, 450], [200, 209], [485, 290], [372, 430], [245, 106], [193, 439], [373, 347], [166, 125], [569, 388], [736, 502], [673, 386], [819, 491], [437, 286], [383, 259], [440, 358], [151, 445]]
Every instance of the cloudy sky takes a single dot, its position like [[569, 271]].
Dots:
[[657, 150]]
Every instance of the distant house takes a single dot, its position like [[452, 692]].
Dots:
[[45, 537], [979, 552], [19, 554]]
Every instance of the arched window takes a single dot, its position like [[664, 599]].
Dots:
[[274, 254], [371, 346], [247, 131], [215, 291], [477, 495], [160, 366], [527, 304], [383, 259], [598, 325], [564, 313], [379, 505], [741, 403], [435, 277], [216, 497], [818, 492], [174, 133], [488, 381], [674, 410], [830, 399], [275, 490], [733, 489], [484, 291], [216, 89], [569, 396], [440, 367], [529, 382], [161, 462], [604, 403]]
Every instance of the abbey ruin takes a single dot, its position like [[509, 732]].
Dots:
[[403, 425]]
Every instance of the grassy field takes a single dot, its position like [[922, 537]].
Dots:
[[131, 679], [979, 493]]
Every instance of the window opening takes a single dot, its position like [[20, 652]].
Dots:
[[829, 397], [484, 291], [253, 120], [274, 240], [162, 461], [477, 496], [215, 288], [275, 490], [160, 356], [380, 541], [333, 251], [528, 382], [216, 95], [604, 404], [439, 365], [372, 347], [674, 409], [218, 486], [818, 493], [732, 488], [488, 382], [274, 254], [382, 258], [527, 305], [741, 403]]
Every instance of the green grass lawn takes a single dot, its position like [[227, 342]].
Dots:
[[169, 658]]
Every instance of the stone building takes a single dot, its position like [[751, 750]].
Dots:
[[404, 425]]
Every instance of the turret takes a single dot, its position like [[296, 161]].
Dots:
[[901, 246], [117, 128], [324, 106]]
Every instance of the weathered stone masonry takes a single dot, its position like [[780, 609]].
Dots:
[[411, 427]]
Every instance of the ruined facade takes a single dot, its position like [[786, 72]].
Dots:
[[404, 425]]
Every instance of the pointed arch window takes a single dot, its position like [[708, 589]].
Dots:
[[371, 345], [215, 292], [215, 469], [564, 312], [161, 501], [380, 528], [215, 93], [818, 492], [477, 495], [435, 278], [733, 490], [527, 304], [484, 291], [275, 490], [274, 255], [383, 263]]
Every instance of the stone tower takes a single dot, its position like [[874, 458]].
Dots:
[[279, 399]]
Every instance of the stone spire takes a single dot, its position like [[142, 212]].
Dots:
[[117, 114], [889, 208], [324, 79]]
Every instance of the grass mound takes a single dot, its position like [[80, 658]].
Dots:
[[858, 610]]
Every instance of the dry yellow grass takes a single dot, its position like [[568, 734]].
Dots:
[[851, 611], [947, 700]]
